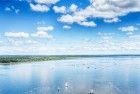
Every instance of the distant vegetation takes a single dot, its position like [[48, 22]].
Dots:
[[30, 58], [19, 58]]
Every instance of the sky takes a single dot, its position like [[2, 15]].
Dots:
[[69, 27]]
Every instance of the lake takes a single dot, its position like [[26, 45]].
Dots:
[[97, 75]]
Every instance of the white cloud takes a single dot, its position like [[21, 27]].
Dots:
[[73, 8], [66, 27], [16, 34], [76, 19], [135, 37], [88, 24], [42, 5], [109, 10], [61, 9], [43, 28], [39, 7], [7, 9], [42, 32], [31, 42], [112, 8], [106, 44], [21, 0], [46, 1], [71, 19], [113, 20], [12, 9], [128, 29], [17, 11]]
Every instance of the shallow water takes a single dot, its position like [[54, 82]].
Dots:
[[107, 75]]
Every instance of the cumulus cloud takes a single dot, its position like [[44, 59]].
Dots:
[[109, 10], [128, 29], [66, 27], [61, 9], [112, 8], [39, 8], [88, 24], [106, 44], [73, 8], [16, 34], [113, 20], [42, 5], [43, 32], [46, 1], [70, 19], [76, 19]]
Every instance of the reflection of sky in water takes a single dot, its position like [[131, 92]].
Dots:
[[102, 75]]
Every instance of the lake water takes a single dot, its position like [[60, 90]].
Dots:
[[109, 75]]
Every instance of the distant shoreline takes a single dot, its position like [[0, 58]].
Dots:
[[94, 55], [35, 58]]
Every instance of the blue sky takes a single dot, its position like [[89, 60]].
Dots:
[[69, 27]]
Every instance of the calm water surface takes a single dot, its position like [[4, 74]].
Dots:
[[80, 76]]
